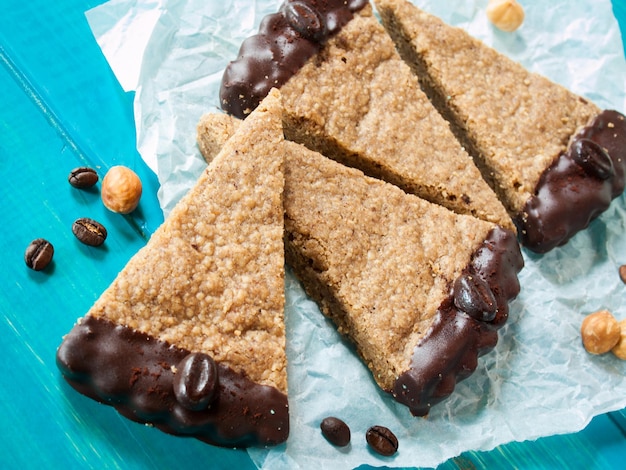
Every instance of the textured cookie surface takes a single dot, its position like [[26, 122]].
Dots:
[[554, 159], [357, 102], [518, 120], [384, 266], [210, 283]]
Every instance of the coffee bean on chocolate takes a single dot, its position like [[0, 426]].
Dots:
[[593, 159], [335, 431], [38, 254], [382, 440], [83, 177], [89, 231], [195, 381], [473, 296], [622, 273], [305, 20]]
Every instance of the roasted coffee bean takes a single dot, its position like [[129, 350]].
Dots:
[[195, 381], [305, 20], [622, 273], [83, 177], [335, 431], [382, 440], [89, 231], [593, 159], [38, 254], [473, 296]]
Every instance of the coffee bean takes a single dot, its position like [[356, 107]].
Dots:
[[593, 159], [195, 381], [335, 431], [83, 177], [305, 20], [382, 440], [473, 296], [622, 273], [38, 254], [89, 231]]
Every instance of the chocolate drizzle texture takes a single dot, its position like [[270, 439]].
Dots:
[[136, 374], [578, 186], [285, 42], [449, 352]]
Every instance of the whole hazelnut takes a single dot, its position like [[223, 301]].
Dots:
[[620, 348], [121, 189], [600, 332], [507, 15]]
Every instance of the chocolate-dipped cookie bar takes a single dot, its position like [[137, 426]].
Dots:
[[348, 94], [553, 157], [190, 336]]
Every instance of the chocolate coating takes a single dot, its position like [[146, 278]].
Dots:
[[134, 372], [449, 352], [578, 186], [285, 42]]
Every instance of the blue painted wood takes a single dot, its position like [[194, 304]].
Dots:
[[61, 107]]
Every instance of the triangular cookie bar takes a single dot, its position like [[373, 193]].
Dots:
[[348, 94], [553, 157], [420, 290], [190, 335]]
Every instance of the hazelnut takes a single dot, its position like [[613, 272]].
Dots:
[[600, 332], [507, 15], [620, 348], [121, 189]]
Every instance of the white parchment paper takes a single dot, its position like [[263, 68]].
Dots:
[[172, 54]]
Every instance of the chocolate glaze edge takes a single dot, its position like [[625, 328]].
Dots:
[[578, 186], [449, 352], [134, 373], [285, 42]]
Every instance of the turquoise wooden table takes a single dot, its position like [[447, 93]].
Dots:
[[62, 108]]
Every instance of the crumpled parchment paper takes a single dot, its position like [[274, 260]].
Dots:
[[172, 54]]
